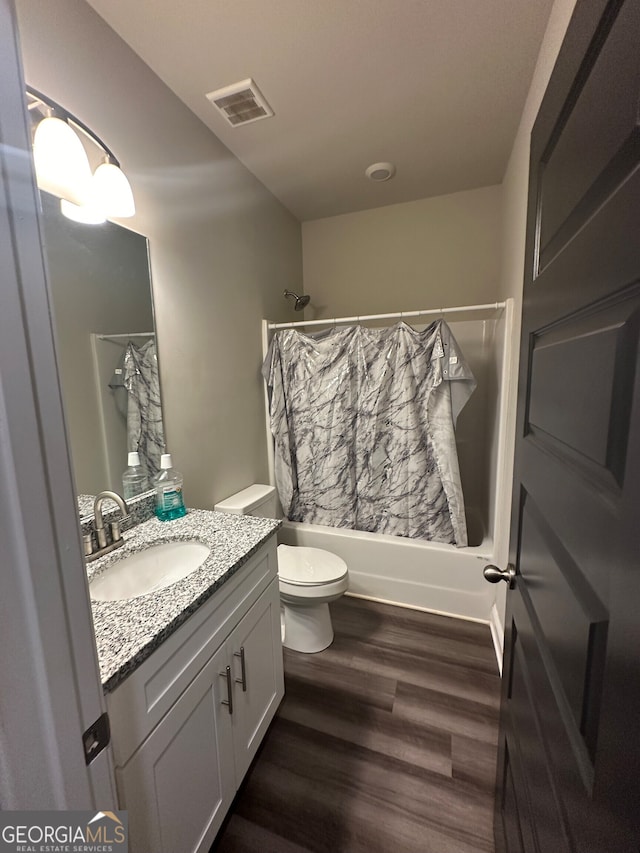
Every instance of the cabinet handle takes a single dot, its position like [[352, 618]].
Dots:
[[229, 701], [242, 680]]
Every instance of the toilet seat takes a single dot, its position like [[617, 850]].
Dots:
[[299, 566]]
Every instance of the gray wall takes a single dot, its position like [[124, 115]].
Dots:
[[435, 252], [429, 253], [222, 247]]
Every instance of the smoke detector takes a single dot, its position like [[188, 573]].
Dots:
[[380, 171], [241, 103]]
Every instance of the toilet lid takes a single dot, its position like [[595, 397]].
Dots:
[[308, 566]]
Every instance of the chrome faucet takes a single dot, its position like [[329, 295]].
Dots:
[[102, 540]]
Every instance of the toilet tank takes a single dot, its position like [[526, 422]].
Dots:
[[257, 500]]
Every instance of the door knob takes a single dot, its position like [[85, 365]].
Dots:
[[493, 574]]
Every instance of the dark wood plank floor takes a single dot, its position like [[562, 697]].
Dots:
[[385, 742]]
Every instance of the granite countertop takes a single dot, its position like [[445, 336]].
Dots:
[[128, 631], [85, 505]]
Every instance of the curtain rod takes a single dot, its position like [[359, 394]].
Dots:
[[126, 335], [399, 315]]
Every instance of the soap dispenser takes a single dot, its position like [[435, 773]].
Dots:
[[168, 486]]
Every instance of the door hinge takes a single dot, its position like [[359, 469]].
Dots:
[[96, 738]]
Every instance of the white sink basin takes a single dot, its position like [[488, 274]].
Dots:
[[148, 571]]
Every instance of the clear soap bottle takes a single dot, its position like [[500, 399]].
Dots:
[[134, 479], [168, 486]]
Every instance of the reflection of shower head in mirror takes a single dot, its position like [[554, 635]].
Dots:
[[301, 301]]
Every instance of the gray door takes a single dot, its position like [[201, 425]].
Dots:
[[569, 760], [50, 691]]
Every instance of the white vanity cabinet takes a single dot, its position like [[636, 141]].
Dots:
[[185, 728]]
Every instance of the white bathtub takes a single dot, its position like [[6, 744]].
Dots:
[[409, 572]]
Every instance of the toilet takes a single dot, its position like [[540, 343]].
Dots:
[[309, 578]]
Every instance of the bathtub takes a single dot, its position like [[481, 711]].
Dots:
[[411, 573]]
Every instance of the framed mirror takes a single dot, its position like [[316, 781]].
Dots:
[[105, 333]]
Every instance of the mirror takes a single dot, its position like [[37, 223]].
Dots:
[[105, 335]]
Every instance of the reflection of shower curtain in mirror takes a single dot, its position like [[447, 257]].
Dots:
[[144, 415], [363, 421]]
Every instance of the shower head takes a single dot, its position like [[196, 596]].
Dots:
[[301, 301]]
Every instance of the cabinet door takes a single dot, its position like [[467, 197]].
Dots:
[[257, 638], [179, 784]]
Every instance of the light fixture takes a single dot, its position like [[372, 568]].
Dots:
[[62, 166], [380, 172], [111, 190], [87, 214]]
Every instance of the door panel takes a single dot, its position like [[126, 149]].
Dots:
[[570, 716], [572, 620], [258, 637], [178, 786], [599, 133], [580, 382]]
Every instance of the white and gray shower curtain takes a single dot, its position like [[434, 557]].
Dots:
[[145, 430], [363, 421]]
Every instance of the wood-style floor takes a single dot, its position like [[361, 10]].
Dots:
[[385, 742]]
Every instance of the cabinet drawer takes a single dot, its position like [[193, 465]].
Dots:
[[139, 703]]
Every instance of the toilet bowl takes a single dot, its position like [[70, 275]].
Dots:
[[309, 579]]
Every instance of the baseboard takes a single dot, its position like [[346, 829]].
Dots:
[[417, 607]]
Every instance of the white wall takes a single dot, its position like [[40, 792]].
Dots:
[[222, 247], [433, 252]]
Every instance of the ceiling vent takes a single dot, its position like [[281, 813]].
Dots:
[[241, 103]]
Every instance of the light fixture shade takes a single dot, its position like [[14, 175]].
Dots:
[[88, 214], [62, 165], [111, 191]]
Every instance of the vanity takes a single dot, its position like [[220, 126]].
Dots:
[[193, 676]]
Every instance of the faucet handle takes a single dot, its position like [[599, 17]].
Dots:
[[101, 537], [115, 529], [87, 544]]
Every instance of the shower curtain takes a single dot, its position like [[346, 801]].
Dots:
[[145, 431], [363, 421]]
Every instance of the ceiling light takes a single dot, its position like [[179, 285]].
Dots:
[[380, 172], [62, 166]]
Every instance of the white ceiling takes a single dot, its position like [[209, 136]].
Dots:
[[435, 86]]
